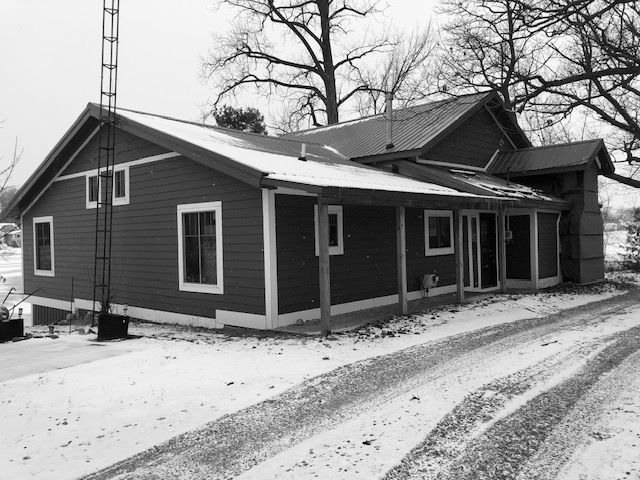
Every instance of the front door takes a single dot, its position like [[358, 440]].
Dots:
[[480, 250]]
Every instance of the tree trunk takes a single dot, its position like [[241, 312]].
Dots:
[[329, 77]]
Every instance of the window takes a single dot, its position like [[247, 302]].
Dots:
[[336, 240], [43, 258], [93, 190], [438, 232], [121, 186], [200, 247]]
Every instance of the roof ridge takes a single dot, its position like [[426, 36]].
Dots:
[[541, 147], [213, 127], [368, 117]]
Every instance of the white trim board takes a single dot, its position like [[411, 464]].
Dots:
[[270, 258], [119, 166], [314, 313], [71, 158]]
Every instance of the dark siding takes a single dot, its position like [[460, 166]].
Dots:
[[48, 315], [145, 258], [128, 148], [519, 248], [547, 245], [472, 143], [368, 267], [417, 263]]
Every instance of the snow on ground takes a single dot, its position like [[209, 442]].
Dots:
[[375, 441], [613, 450], [615, 244], [11, 272], [71, 421]]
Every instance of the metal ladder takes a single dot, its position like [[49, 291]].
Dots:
[[106, 156]]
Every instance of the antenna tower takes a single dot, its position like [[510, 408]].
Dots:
[[106, 155]]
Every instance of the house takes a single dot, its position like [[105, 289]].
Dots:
[[10, 235], [216, 227]]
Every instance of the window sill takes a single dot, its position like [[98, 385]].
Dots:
[[201, 288], [44, 273], [434, 252]]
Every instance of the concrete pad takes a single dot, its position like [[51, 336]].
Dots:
[[39, 355]]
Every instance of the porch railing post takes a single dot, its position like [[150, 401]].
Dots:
[[502, 250], [401, 242], [457, 240], [324, 267]]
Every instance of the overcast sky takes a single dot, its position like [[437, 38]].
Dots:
[[50, 63]]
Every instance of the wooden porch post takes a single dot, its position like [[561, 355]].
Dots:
[[401, 242], [323, 258], [457, 240], [502, 251]]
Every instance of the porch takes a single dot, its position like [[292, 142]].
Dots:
[[353, 320]]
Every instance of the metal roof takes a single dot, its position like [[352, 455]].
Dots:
[[476, 182], [413, 127], [277, 159], [553, 157]]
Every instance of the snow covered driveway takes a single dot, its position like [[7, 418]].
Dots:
[[483, 404]]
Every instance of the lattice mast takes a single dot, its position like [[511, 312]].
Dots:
[[106, 155]]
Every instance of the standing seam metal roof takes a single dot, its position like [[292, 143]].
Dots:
[[413, 128], [544, 158]]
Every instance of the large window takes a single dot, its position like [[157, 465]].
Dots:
[[43, 258], [336, 240], [200, 247], [438, 232]]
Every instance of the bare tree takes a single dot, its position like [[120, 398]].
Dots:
[[405, 72], [305, 50], [6, 171], [550, 59]]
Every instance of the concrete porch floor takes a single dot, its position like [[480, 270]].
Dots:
[[353, 320]]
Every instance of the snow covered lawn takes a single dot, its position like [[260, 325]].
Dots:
[[67, 422]]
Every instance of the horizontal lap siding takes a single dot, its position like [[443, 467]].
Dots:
[[473, 143], [547, 245], [145, 243], [128, 148], [368, 267], [417, 263]]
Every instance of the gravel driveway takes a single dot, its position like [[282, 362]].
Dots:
[[509, 397]]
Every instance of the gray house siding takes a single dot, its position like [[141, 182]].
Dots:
[[145, 243], [473, 143], [367, 269]]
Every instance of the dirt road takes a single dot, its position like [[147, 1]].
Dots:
[[511, 401]]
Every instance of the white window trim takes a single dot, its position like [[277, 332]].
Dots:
[[36, 271], [88, 175], [337, 249], [121, 200], [199, 287], [430, 252]]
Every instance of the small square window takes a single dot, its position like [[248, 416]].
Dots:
[[93, 190], [121, 186], [336, 240], [438, 232]]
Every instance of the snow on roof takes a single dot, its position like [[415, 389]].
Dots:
[[277, 158]]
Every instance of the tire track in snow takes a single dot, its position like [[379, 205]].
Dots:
[[504, 448], [239, 441]]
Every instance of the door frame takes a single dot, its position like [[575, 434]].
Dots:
[[474, 215]]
